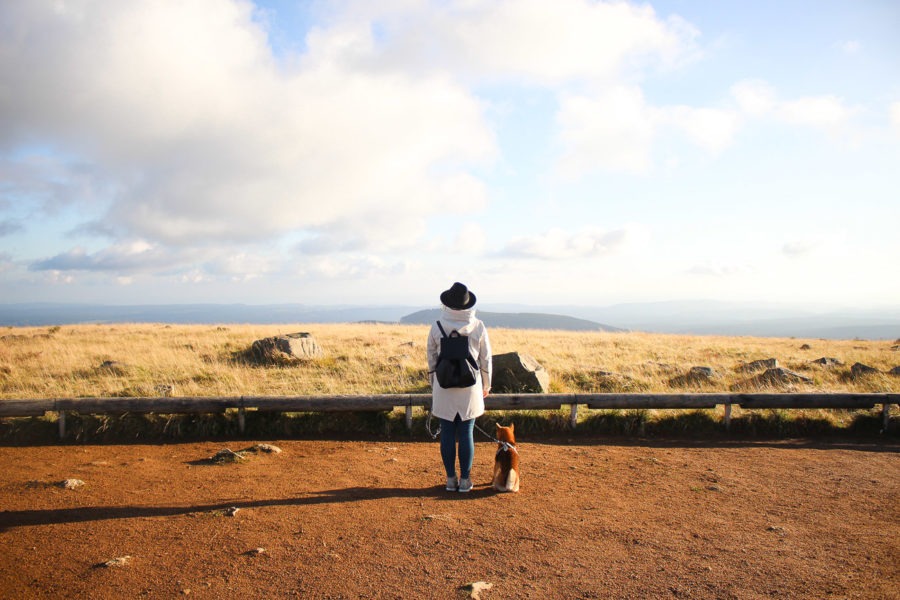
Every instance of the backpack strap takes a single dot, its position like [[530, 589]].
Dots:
[[443, 333]]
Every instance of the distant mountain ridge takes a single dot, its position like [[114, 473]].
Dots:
[[516, 321], [698, 317]]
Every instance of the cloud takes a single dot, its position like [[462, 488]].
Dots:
[[895, 116], [470, 240], [6, 262], [242, 266], [358, 267], [754, 96], [798, 249], [758, 98], [616, 130], [373, 232], [558, 244], [716, 270], [817, 111], [181, 113], [132, 257], [510, 40], [9, 226], [612, 130]]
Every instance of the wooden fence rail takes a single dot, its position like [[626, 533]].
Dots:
[[387, 402]]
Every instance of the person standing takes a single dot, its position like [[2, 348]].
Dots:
[[457, 408]]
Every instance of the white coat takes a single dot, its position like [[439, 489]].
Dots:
[[468, 402]]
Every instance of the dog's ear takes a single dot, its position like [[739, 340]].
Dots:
[[512, 427], [498, 426]]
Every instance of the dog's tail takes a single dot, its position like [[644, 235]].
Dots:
[[512, 481]]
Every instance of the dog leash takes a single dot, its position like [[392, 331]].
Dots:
[[505, 446]]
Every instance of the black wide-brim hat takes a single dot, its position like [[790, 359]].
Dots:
[[458, 297]]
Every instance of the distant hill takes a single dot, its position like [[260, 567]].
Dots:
[[699, 317], [516, 321], [39, 314]]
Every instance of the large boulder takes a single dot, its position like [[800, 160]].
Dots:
[[828, 361], [759, 365], [859, 370], [292, 346], [515, 373], [696, 376], [776, 377]]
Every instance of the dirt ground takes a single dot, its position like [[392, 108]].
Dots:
[[605, 518]]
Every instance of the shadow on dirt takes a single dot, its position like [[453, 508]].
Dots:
[[30, 518]]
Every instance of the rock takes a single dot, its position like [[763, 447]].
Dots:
[[267, 448], [895, 371], [70, 484], [859, 369], [827, 361], [806, 347], [515, 372], [757, 365], [702, 372], [696, 376], [290, 347], [255, 552], [776, 377], [231, 511], [226, 455], [121, 561], [475, 589]]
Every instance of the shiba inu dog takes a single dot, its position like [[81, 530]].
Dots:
[[506, 462]]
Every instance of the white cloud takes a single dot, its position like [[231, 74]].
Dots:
[[754, 97], [717, 270], [616, 130], [895, 116], [711, 129], [758, 98], [242, 266], [183, 111], [798, 248], [518, 40], [817, 111], [355, 267], [558, 244], [470, 240], [613, 130]]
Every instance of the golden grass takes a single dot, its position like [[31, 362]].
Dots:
[[204, 360]]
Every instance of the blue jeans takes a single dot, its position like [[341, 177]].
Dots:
[[451, 431]]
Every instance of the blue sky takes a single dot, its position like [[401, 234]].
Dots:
[[564, 152]]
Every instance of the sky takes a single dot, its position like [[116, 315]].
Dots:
[[566, 152]]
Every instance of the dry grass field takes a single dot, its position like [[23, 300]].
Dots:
[[204, 360]]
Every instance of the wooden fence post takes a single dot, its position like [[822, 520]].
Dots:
[[727, 416], [61, 421], [885, 416], [573, 415], [409, 417]]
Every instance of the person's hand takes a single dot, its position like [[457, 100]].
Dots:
[[485, 393]]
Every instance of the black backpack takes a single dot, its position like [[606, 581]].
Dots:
[[455, 366]]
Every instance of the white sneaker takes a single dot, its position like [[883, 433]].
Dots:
[[452, 484], [465, 485]]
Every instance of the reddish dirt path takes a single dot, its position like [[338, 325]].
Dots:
[[353, 519]]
